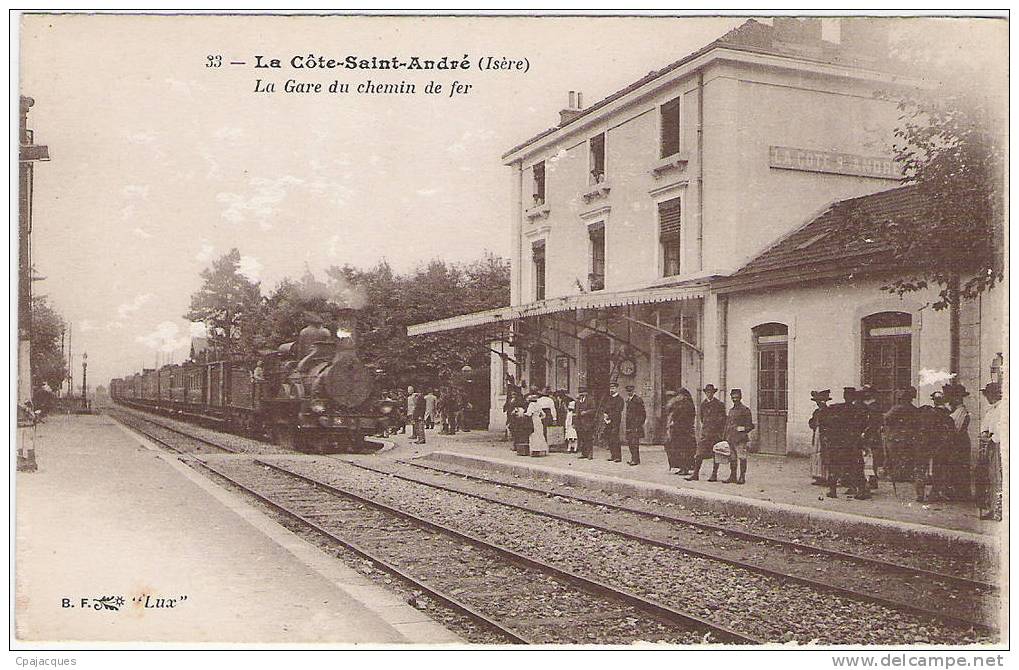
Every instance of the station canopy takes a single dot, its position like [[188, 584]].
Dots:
[[595, 300]]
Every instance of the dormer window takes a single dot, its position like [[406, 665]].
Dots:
[[670, 128], [598, 159], [539, 183]]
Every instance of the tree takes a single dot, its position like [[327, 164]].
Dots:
[[229, 304], [434, 291], [951, 150], [48, 364], [950, 144]]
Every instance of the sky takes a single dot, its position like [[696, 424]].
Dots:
[[160, 164]]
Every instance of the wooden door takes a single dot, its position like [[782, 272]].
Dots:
[[772, 391]]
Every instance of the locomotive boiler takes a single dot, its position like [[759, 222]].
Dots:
[[314, 394]]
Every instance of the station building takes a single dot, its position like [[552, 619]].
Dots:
[[676, 233]]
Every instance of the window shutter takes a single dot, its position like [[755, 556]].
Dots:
[[668, 217]]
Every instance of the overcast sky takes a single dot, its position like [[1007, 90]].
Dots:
[[160, 164]]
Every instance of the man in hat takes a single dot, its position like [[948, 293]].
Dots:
[[613, 411], [738, 425], [636, 415], [712, 431], [989, 478], [903, 437], [872, 434], [844, 424], [821, 455], [937, 430], [585, 415]]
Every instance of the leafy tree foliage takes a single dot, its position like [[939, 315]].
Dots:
[[434, 291], [229, 304], [953, 152], [48, 364], [950, 142]]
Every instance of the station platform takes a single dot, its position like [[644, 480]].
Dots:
[[105, 515], [779, 489]]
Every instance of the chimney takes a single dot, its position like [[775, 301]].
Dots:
[[797, 30], [573, 109]]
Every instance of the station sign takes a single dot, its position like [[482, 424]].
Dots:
[[832, 162]]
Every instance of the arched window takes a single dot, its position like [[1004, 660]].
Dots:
[[887, 354], [771, 342]]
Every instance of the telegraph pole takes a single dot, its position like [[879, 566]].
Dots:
[[28, 154]]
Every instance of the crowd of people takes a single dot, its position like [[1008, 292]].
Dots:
[[444, 408], [621, 418], [855, 443]]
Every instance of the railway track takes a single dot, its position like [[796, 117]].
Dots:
[[919, 598], [536, 504], [934, 576], [520, 598], [136, 421]]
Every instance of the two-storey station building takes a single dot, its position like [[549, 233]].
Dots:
[[676, 233]]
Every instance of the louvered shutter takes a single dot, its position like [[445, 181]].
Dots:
[[669, 219]]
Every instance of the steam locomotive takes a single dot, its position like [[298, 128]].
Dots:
[[318, 398]]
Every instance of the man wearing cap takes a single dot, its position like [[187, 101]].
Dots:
[[904, 442], [989, 478], [712, 431], [613, 411], [821, 455], [738, 425], [636, 415], [585, 411]]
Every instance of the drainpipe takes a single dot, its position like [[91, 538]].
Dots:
[[517, 262], [723, 343], [953, 326], [700, 168]]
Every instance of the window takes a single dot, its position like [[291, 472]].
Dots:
[[670, 128], [596, 279], [539, 183], [772, 367], [669, 237], [538, 254], [598, 159], [887, 354]]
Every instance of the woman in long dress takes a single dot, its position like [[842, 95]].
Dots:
[[958, 460], [537, 444], [682, 440], [819, 469]]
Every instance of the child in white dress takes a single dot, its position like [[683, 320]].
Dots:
[[571, 432]]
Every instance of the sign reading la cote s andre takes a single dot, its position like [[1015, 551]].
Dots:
[[833, 162]]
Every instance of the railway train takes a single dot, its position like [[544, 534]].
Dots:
[[320, 401]]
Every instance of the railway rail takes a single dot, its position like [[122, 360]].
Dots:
[[537, 506], [760, 560], [523, 599], [935, 576]]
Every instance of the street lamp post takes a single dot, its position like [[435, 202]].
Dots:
[[84, 381]]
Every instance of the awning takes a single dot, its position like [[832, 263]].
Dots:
[[595, 300]]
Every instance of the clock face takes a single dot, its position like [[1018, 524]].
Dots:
[[627, 367]]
